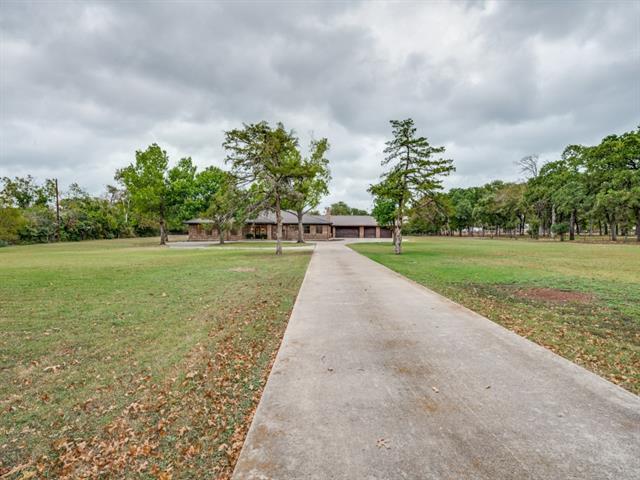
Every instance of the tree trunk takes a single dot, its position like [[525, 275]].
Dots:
[[278, 226], [638, 225], [541, 227], [300, 227], [397, 235], [572, 219], [221, 236], [553, 220], [163, 232], [57, 212], [470, 230], [612, 228]]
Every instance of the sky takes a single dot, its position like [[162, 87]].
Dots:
[[83, 85]]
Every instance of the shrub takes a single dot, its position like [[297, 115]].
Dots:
[[11, 223], [560, 229]]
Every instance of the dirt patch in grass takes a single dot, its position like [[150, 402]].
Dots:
[[242, 269], [553, 295]]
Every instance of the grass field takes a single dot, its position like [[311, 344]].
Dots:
[[582, 301], [260, 244], [123, 359]]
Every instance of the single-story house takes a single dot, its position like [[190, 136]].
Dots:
[[316, 227]]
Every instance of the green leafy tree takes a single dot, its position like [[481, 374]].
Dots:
[[265, 157], [11, 224], [561, 229], [181, 193], [570, 189], [311, 182], [463, 201], [148, 185], [24, 192], [613, 168], [341, 208], [432, 216], [228, 206], [190, 191], [383, 211], [413, 175]]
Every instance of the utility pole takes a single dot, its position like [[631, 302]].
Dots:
[[57, 211]]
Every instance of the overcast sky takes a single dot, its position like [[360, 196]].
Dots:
[[85, 84]]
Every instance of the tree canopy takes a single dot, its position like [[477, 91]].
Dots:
[[413, 175], [341, 208], [310, 182], [266, 158]]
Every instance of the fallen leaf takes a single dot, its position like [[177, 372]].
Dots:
[[382, 443]]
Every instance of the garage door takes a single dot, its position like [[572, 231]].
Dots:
[[385, 233], [347, 232], [369, 232]]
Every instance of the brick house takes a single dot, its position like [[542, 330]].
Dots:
[[316, 227]]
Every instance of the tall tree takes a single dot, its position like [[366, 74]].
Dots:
[[341, 208], [25, 192], [191, 191], [264, 156], [383, 211], [614, 166], [228, 205], [310, 184], [149, 186], [529, 166], [413, 174]]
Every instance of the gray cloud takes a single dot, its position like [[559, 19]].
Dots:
[[85, 84]]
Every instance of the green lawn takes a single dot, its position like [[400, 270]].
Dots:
[[262, 244], [580, 300], [122, 358]]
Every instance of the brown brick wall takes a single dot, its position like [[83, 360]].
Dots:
[[202, 233], [290, 232]]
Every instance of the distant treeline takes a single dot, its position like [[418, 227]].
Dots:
[[28, 213], [590, 189]]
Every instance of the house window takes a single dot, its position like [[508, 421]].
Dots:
[[307, 228], [318, 228]]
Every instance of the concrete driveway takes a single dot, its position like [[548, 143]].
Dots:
[[379, 378]]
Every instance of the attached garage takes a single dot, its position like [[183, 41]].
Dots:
[[385, 233], [357, 226], [347, 232]]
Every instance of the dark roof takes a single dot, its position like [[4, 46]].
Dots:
[[270, 218], [288, 218], [353, 221]]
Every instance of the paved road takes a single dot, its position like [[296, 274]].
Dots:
[[378, 378]]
